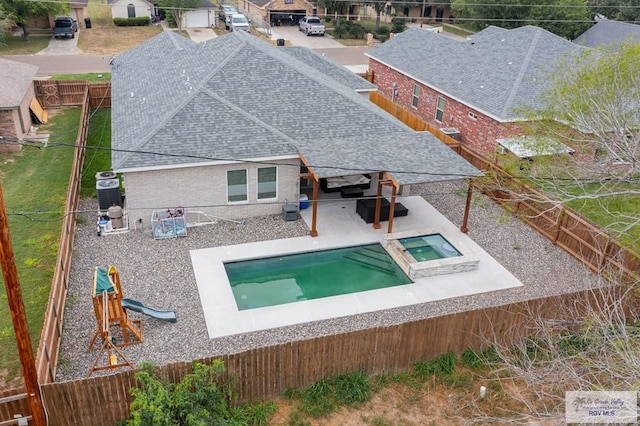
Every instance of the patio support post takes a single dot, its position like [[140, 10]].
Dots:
[[463, 228], [392, 209], [314, 206], [376, 217]]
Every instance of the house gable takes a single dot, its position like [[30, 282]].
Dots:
[[121, 8]]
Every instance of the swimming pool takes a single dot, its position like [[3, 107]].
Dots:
[[313, 275]]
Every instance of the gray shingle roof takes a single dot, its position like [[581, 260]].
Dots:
[[236, 97], [495, 72], [605, 32], [15, 79], [330, 68]]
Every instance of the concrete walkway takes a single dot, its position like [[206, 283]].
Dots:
[[201, 34]]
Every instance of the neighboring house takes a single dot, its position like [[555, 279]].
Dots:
[[132, 8], [78, 12], [472, 89], [203, 16], [16, 95], [277, 12], [432, 12], [605, 32], [236, 119]]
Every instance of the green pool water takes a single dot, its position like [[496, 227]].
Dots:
[[429, 247], [305, 276]]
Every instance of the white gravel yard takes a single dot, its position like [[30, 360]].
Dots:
[[159, 273]]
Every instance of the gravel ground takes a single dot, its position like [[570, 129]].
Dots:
[[159, 273]]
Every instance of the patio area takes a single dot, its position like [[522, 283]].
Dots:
[[340, 226], [160, 274]]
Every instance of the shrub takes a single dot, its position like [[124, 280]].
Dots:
[[200, 398], [398, 25], [140, 21], [443, 364]]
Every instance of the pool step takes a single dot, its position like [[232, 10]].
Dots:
[[365, 258]]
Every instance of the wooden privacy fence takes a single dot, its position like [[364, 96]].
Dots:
[[47, 356], [14, 401], [60, 93], [581, 238], [266, 372]]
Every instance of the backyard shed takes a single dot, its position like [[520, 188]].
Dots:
[[16, 95]]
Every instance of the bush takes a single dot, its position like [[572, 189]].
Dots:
[[140, 21], [200, 398], [398, 25]]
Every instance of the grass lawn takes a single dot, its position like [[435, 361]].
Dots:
[[18, 46], [35, 183], [89, 77], [112, 40]]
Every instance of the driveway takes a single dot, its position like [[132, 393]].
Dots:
[[297, 38], [62, 46]]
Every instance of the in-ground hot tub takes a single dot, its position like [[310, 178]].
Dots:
[[429, 252]]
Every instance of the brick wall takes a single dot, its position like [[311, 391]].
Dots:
[[9, 129], [204, 188], [479, 132]]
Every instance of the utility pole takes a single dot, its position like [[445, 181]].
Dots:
[[16, 307]]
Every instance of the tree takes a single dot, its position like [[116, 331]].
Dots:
[[619, 10], [590, 340], [5, 25], [18, 11], [337, 7], [378, 6], [566, 18], [178, 9]]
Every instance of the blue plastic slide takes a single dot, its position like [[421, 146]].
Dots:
[[134, 305]]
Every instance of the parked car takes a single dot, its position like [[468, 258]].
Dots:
[[224, 10], [311, 25], [65, 26], [237, 22]]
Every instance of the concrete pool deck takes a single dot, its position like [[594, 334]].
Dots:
[[339, 225]]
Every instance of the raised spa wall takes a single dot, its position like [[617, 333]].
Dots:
[[468, 261]]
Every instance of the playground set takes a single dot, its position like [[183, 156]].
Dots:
[[110, 309]]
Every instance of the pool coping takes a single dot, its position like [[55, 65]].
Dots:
[[338, 227]]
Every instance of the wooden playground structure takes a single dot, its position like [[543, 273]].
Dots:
[[107, 305]]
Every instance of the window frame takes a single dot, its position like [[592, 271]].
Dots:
[[275, 184], [439, 110], [246, 187], [415, 97], [131, 10]]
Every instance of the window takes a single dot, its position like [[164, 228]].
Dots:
[[236, 185], [416, 96], [131, 10], [440, 109], [473, 116], [267, 183]]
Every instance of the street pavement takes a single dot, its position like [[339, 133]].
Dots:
[[63, 56]]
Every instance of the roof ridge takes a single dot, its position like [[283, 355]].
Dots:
[[522, 71], [250, 117]]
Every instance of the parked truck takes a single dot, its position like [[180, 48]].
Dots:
[[65, 26], [311, 25]]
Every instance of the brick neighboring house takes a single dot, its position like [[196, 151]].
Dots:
[[16, 94], [473, 88], [237, 117]]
